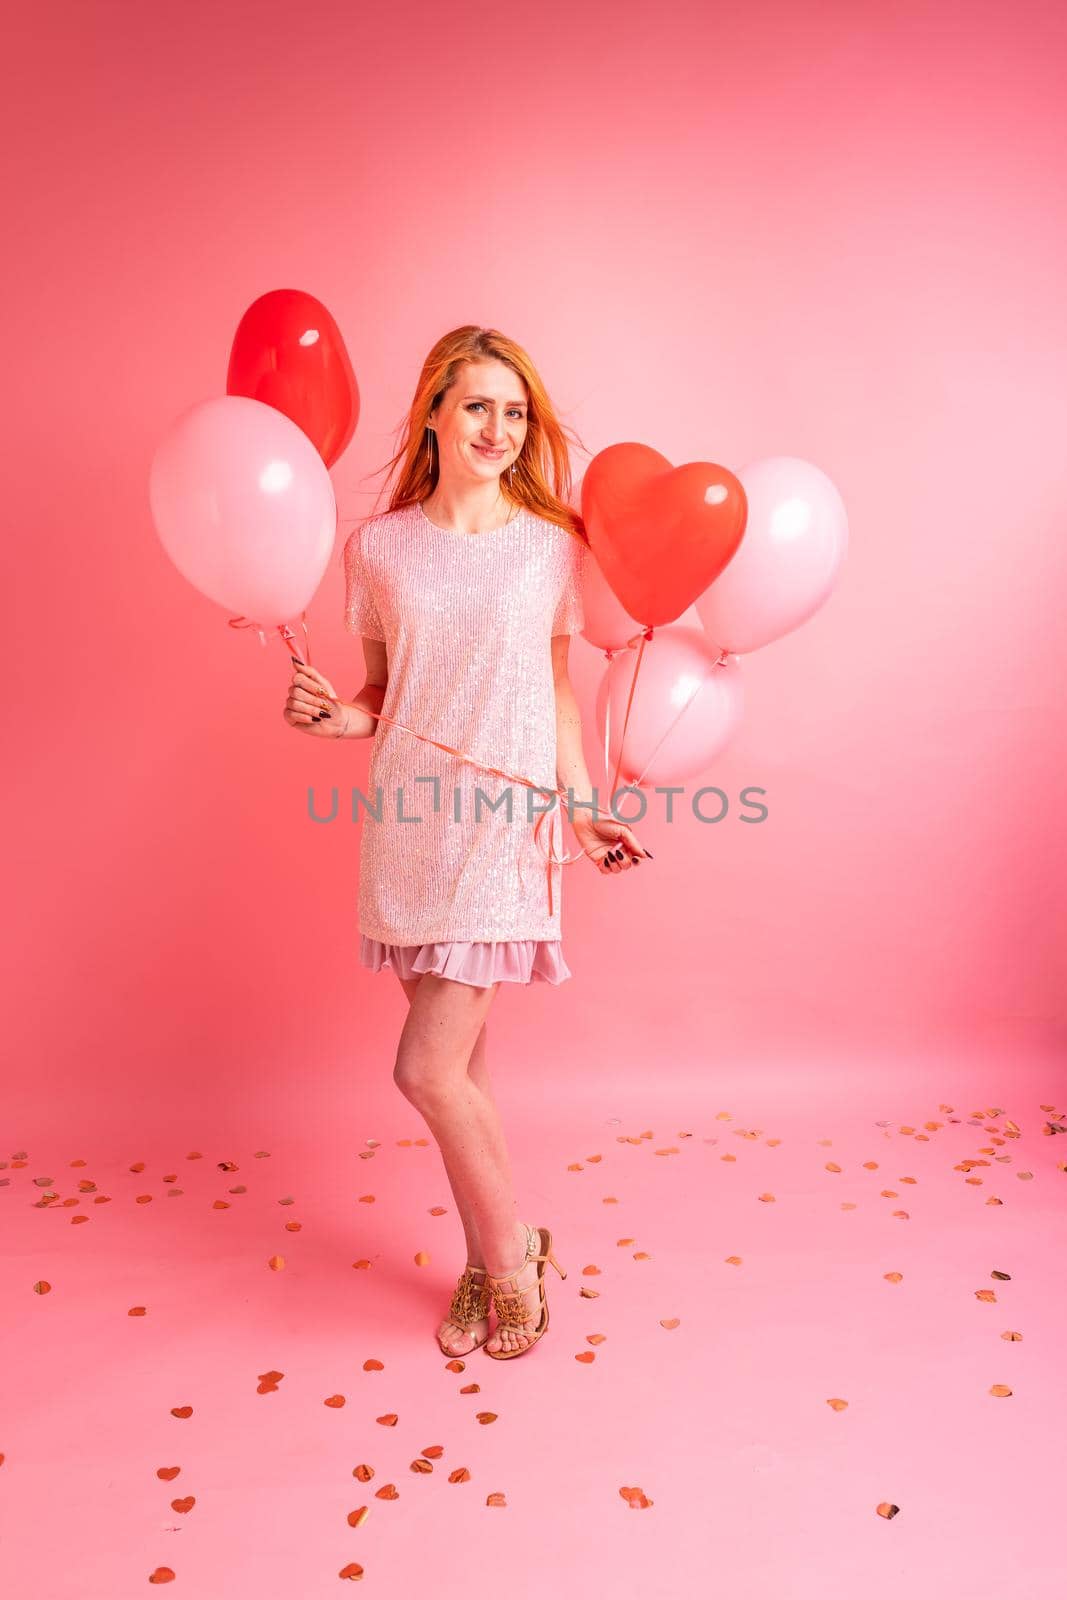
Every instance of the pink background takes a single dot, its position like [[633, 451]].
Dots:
[[805, 229]]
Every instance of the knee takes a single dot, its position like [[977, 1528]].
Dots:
[[414, 1076]]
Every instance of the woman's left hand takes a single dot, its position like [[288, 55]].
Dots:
[[611, 846]]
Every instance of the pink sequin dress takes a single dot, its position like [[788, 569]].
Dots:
[[450, 883]]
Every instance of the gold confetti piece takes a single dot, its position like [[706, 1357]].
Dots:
[[727, 1157], [134, 1311], [993, 1201], [42, 1287], [595, 1338], [422, 1258], [608, 1200], [669, 1322], [388, 1491], [459, 1475], [871, 1166], [636, 1499], [293, 1227], [774, 1143], [887, 1510], [1009, 1333], [848, 1205], [623, 1243], [371, 1365], [167, 1473], [734, 1261], [832, 1166], [184, 1505], [433, 1452], [161, 1575], [671, 1150], [363, 1472], [586, 1355], [73, 1220], [357, 1518], [44, 1183], [576, 1166], [495, 1499], [353, 1570], [642, 1255], [335, 1400], [366, 1155], [1025, 1176], [1001, 1390], [361, 1266], [905, 1216], [366, 1199], [486, 1416], [988, 1295], [181, 1411], [591, 1271], [589, 1294], [838, 1405], [138, 1166], [893, 1277], [594, 1158], [389, 1419], [403, 1144], [422, 1141], [766, 1198], [438, 1211], [455, 1365], [276, 1263], [471, 1388], [420, 1464], [1003, 1277]]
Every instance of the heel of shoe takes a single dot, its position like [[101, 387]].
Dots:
[[555, 1263]]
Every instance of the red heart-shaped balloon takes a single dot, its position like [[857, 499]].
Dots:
[[660, 534]]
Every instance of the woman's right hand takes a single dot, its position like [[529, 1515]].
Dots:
[[313, 706]]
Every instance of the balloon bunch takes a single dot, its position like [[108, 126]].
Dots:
[[754, 555], [239, 485]]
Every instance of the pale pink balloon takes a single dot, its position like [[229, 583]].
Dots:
[[794, 543], [685, 709], [244, 507]]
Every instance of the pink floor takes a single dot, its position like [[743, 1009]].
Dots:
[[785, 1312]]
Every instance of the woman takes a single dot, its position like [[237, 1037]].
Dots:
[[465, 593]]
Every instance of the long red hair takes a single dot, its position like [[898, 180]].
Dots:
[[541, 479]]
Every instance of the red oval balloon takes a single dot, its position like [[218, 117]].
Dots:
[[660, 534], [289, 353]]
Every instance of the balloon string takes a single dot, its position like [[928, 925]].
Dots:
[[674, 722], [643, 636]]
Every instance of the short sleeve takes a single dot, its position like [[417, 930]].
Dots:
[[361, 612], [570, 613]]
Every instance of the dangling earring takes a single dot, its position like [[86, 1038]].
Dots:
[[429, 452]]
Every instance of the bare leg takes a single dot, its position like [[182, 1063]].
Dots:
[[437, 1046]]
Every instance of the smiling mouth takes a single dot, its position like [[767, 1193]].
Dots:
[[494, 455]]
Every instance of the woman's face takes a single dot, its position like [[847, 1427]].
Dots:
[[480, 423]]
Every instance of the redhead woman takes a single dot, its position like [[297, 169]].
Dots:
[[465, 592]]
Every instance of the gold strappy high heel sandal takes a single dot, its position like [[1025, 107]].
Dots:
[[470, 1304], [510, 1303]]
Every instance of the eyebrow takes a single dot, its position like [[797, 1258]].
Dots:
[[489, 399]]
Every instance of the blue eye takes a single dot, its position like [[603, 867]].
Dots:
[[515, 412]]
